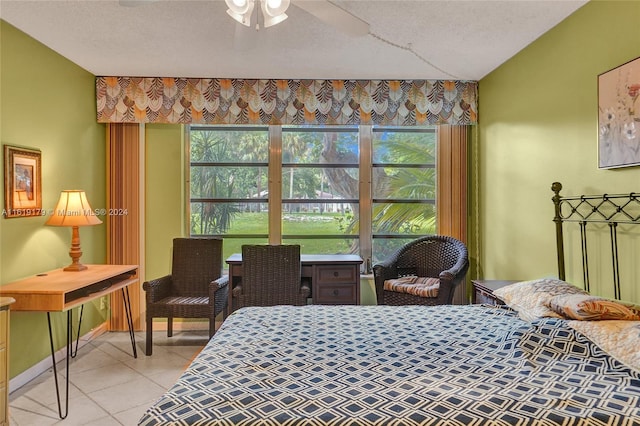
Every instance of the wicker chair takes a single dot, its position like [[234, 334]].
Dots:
[[433, 256], [270, 276], [195, 288]]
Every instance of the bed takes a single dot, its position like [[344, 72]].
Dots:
[[553, 355]]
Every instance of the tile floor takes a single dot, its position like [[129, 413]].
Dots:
[[107, 385]]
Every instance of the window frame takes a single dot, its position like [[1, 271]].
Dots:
[[366, 235]]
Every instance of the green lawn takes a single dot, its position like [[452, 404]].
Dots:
[[306, 224], [293, 224]]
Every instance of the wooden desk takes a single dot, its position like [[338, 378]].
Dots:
[[61, 291], [334, 278]]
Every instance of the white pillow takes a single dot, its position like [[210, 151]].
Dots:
[[531, 298]]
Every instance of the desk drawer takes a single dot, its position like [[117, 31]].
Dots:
[[4, 415], [4, 320], [336, 294], [3, 370], [333, 274]]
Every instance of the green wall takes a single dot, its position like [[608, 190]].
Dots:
[[539, 124], [164, 196], [48, 103]]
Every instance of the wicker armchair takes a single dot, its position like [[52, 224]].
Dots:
[[271, 275], [195, 288], [435, 256]]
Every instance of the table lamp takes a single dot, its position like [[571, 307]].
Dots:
[[73, 210]]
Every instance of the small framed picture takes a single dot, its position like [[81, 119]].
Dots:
[[22, 182], [619, 116]]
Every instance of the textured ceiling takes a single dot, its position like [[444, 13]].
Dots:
[[183, 38]]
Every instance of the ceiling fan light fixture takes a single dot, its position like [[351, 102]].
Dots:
[[273, 11], [269, 21], [275, 8], [240, 10], [239, 6]]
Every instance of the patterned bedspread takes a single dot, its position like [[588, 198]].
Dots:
[[402, 366]]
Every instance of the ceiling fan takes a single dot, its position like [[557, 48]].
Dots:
[[324, 10]]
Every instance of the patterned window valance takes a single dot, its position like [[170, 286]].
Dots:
[[247, 101]]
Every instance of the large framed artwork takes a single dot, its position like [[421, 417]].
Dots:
[[619, 116], [22, 182]]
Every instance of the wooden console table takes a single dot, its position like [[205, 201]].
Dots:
[[61, 291], [334, 278]]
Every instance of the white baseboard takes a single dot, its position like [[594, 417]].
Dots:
[[26, 376], [31, 373]]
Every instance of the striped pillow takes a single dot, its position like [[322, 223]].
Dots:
[[417, 286], [585, 307]]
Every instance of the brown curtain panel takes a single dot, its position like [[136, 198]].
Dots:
[[123, 226], [452, 189]]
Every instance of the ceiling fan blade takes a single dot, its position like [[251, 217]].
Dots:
[[334, 15]]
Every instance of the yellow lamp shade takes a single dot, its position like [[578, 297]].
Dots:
[[73, 209]]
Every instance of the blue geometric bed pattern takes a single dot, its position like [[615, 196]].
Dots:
[[401, 366]]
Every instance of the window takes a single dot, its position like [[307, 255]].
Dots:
[[320, 189], [363, 190], [404, 187], [228, 175]]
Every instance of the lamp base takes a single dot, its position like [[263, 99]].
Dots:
[[75, 267], [75, 252]]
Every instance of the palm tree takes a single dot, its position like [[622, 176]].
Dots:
[[293, 147], [211, 182], [254, 150], [394, 182], [408, 183]]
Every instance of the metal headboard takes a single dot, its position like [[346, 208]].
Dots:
[[608, 209]]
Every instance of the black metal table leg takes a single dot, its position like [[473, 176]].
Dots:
[[72, 354], [55, 369], [127, 308]]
